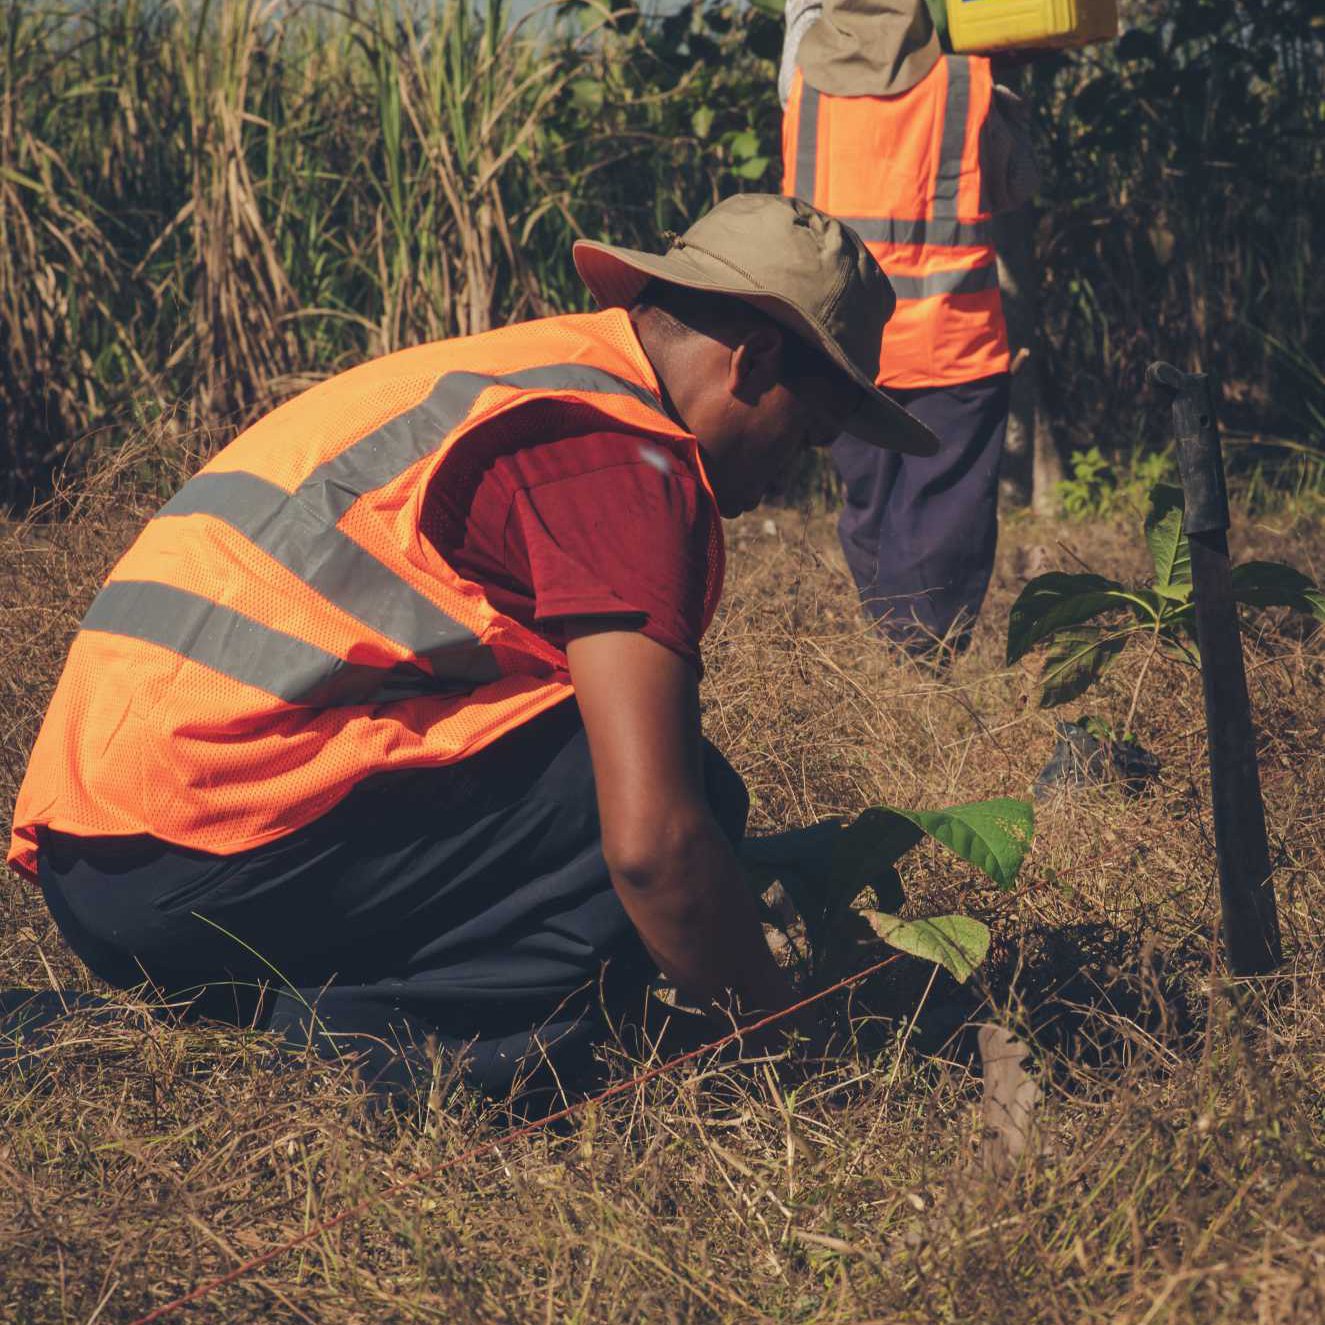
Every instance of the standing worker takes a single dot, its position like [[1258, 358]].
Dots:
[[915, 151], [386, 728]]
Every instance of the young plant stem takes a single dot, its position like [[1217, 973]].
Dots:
[[1140, 681]]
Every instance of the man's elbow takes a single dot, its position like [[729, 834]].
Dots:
[[659, 849]]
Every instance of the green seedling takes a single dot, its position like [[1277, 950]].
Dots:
[[827, 868], [1085, 621]]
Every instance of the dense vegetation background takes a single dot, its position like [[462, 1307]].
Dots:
[[204, 206]]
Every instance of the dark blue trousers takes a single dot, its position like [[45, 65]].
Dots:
[[467, 905], [919, 532]]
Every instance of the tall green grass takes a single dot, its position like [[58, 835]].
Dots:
[[205, 204]]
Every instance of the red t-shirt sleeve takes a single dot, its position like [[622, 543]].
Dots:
[[599, 525], [628, 539]]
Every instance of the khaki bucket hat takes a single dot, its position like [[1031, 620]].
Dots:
[[802, 268]]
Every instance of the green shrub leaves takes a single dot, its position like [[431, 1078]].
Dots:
[[1272, 584], [1063, 611], [1076, 659]]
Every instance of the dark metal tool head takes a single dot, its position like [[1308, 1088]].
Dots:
[[1197, 436]]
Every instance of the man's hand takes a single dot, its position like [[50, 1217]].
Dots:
[[674, 870]]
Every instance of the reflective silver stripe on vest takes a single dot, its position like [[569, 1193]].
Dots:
[[334, 486], [952, 147], [329, 562], [945, 232], [970, 280], [942, 229], [240, 648], [807, 142], [298, 530]]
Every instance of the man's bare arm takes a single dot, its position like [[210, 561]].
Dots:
[[674, 870]]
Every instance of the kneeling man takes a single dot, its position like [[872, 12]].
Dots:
[[386, 728]]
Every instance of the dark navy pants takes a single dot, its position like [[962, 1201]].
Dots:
[[469, 905], [919, 532]]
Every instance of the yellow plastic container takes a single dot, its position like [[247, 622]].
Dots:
[[997, 25]]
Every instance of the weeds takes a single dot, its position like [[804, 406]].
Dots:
[[1096, 490], [1153, 245]]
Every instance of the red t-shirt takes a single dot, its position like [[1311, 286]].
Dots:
[[599, 525]]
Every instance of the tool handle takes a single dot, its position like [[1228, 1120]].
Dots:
[[1246, 894]]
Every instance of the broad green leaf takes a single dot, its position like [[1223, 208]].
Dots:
[[744, 145], [1057, 601], [1151, 605], [1174, 593], [1169, 548], [957, 943], [1075, 661], [702, 121], [992, 835], [773, 8], [1171, 608], [826, 866], [754, 168], [1272, 584]]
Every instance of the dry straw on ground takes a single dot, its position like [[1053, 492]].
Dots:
[[1177, 1172]]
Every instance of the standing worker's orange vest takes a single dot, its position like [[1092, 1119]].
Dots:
[[282, 629], [904, 172]]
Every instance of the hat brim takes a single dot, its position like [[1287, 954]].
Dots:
[[616, 276]]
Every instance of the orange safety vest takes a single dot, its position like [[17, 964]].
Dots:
[[282, 629], [904, 173]]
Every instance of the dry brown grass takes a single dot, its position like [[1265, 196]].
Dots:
[[1181, 1179]]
